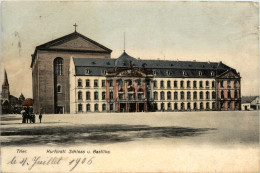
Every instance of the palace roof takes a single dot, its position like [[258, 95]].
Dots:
[[162, 68]]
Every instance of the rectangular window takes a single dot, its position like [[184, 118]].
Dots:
[[207, 83], [88, 107], [104, 107], [188, 84], [182, 84], [95, 95], [80, 107], [194, 95], [188, 95], [155, 84], [111, 107], [175, 84], [88, 95], [96, 107], [168, 84], [175, 96], [87, 83], [162, 84], [110, 83], [103, 95], [213, 84], [228, 84], [155, 95], [139, 82], [182, 95], [95, 83], [201, 84], [103, 83], [194, 84], [111, 95], [162, 96]]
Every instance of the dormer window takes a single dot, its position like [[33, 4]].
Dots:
[[212, 73], [93, 62], [200, 73], [154, 73], [87, 71], [168, 73], [104, 71], [184, 73]]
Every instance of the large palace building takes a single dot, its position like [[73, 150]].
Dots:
[[75, 74]]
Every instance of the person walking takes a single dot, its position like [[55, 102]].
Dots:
[[40, 117]]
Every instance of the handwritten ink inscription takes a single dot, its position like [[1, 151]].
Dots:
[[87, 158]]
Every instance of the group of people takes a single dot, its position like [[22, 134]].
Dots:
[[29, 117]]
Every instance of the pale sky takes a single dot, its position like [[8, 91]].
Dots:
[[202, 31]]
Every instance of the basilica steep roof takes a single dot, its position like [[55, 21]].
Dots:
[[74, 42]]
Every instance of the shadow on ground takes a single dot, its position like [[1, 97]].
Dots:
[[82, 134]]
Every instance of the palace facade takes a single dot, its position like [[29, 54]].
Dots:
[[127, 84], [75, 74]]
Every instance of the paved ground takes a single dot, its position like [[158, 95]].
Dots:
[[167, 128]]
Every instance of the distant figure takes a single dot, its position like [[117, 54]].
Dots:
[[40, 117]]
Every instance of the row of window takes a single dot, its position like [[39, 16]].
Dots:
[[228, 82], [222, 95], [182, 95], [88, 84], [188, 84], [162, 85], [187, 106], [140, 95], [96, 107]]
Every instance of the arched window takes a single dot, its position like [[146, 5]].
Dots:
[[96, 107], [103, 95], [207, 105], [59, 89], [175, 106], [162, 106], [188, 95], [175, 95], [182, 84], [79, 95], [207, 95], [213, 95], [80, 107], [182, 106], [155, 95], [188, 84], [194, 95], [169, 95], [182, 95], [201, 105], [201, 95], [168, 84], [104, 107], [95, 95], [58, 63], [195, 105], [79, 83], [188, 106], [87, 95], [162, 95], [169, 106], [162, 84], [88, 107]]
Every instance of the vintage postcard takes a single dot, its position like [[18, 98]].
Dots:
[[119, 86]]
